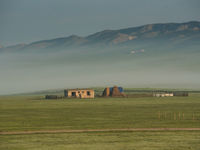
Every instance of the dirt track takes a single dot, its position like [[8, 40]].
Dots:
[[98, 130]]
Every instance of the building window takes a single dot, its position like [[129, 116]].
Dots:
[[83, 92], [88, 93], [73, 93]]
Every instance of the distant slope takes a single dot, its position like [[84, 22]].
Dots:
[[154, 55], [174, 33]]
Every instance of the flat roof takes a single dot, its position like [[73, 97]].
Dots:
[[80, 89]]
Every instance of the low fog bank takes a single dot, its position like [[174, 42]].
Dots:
[[28, 72]]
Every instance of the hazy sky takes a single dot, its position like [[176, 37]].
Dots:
[[24, 21]]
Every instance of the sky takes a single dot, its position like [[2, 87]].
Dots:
[[25, 21]]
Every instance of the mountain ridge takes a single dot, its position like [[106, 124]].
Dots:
[[187, 31], [153, 55]]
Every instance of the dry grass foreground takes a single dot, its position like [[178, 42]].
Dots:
[[99, 130]]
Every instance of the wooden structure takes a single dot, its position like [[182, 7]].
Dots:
[[113, 92], [79, 93], [179, 93], [51, 97]]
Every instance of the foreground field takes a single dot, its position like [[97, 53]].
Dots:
[[187, 140], [32, 113]]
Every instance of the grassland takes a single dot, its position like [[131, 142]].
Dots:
[[30, 113], [181, 140]]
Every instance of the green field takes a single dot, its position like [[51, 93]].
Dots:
[[29, 113], [104, 141]]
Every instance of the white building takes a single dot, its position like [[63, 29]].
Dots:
[[163, 94]]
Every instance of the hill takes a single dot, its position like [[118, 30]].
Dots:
[[154, 55], [173, 33]]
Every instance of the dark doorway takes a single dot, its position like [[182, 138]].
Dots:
[[88, 93], [73, 94]]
